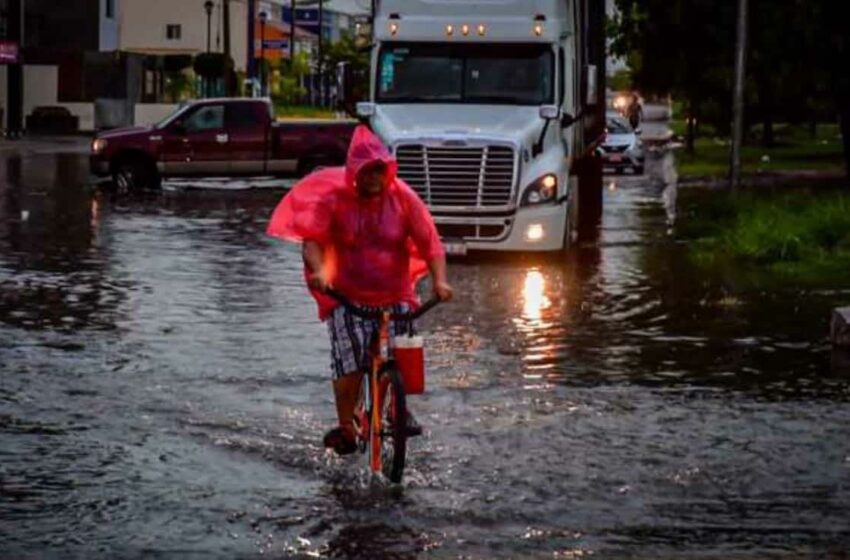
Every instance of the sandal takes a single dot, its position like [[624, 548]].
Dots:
[[340, 441]]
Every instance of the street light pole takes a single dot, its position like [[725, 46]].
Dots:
[[252, 53], [208, 7], [263, 18], [738, 99], [15, 72]]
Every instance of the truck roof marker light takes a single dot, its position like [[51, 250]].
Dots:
[[482, 30], [464, 29], [450, 30], [539, 19]]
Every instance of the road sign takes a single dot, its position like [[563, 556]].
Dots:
[[8, 52], [276, 44]]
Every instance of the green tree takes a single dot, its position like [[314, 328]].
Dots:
[[797, 69], [347, 50], [684, 48], [289, 88]]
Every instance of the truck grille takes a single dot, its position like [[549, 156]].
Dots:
[[471, 231], [458, 176]]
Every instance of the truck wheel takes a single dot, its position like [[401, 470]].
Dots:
[[134, 176], [589, 171], [571, 233]]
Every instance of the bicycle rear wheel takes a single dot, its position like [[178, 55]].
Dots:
[[392, 438]]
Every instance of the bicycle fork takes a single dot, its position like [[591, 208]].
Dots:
[[375, 395]]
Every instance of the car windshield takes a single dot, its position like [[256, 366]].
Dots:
[[171, 116], [472, 73], [618, 126]]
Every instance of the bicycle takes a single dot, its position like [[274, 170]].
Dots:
[[380, 417]]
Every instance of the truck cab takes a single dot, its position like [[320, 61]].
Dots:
[[481, 103]]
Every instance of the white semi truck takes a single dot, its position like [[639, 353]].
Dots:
[[493, 109]]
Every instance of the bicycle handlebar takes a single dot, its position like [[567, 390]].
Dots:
[[368, 314]]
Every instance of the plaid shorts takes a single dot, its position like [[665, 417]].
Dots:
[[351, 336]]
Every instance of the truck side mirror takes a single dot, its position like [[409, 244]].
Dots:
[[550, 112], [179, 128], [365, 109]]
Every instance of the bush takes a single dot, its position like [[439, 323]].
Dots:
[[792, 229]]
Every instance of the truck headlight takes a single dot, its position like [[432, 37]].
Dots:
[[540, 191], [98, 145]]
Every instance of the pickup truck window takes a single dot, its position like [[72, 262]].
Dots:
[[208, 117], [245, 115]]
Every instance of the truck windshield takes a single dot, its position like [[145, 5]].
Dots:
[[501, 74]]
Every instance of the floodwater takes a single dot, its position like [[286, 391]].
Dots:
[[164, 387]]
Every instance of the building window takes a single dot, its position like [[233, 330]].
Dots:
[[110, 9], [173, 32], [150, 83]]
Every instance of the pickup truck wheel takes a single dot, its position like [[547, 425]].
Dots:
[[134, 176]]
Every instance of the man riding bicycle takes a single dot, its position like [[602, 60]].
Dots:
[[367, 234]]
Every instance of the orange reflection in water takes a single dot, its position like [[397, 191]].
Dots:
[[534, 295]]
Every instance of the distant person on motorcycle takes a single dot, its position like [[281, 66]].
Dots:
[[367, 234]]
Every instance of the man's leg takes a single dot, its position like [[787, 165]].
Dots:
[[346, 392], [348, 347]]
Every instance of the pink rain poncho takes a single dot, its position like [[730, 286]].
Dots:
[[376, 249]]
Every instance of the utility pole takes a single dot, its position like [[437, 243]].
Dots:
[[292, 33], [319, 65], [251, 22], [225, 15], [15, 72], [738, 99]]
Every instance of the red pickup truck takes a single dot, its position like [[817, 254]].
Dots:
[[218, 137]]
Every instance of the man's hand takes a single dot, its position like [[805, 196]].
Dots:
[[314, 258], [319, 281], [443, 291]]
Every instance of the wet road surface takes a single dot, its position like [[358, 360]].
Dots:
[[164, 387]]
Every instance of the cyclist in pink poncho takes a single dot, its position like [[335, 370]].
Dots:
[[367, 234]]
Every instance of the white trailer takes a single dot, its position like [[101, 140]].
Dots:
[[492, 108]]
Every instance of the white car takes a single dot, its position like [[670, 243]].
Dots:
[[622, 148]]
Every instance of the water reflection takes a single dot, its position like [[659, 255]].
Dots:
[[534, 297]]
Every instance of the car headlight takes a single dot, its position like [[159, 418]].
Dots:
[[540, 191], [98, 145]]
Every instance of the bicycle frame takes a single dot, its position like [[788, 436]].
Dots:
[[379, 358], [379, 351]]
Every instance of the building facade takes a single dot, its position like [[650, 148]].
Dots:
[[65, 54]]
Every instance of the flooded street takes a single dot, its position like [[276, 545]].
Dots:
[[164, 386]]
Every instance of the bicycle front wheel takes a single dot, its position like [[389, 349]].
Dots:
[[391, 439]]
